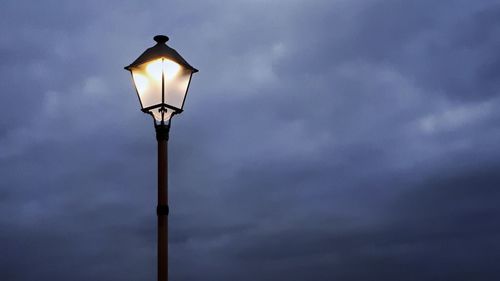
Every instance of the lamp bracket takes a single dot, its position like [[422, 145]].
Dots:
[[162, 131]]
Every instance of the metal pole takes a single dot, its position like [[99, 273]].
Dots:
[[162, 209]]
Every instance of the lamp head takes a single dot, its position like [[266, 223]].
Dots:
[[161, 78]]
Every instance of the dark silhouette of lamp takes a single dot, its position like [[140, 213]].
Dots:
[[161, 78]]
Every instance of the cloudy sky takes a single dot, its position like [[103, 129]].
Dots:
[[322, 140]]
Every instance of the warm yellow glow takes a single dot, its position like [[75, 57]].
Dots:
[[154, 90], [141, 82], [154, 69], [170, 69]]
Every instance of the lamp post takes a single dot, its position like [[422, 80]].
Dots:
[[161, 78]]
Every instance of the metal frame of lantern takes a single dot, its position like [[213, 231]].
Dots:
[[161, 51]]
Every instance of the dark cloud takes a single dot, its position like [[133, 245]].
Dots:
[[346, 140]]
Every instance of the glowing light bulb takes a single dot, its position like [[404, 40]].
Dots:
[[154, 69], [141, 82], [170, 69]]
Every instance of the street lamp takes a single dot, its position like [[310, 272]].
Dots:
[[161, 78]]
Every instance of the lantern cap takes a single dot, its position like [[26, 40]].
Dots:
[[161, 50], [161, 39]]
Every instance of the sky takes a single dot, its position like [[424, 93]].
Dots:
[[321, 140]]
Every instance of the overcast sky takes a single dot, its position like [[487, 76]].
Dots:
[[321, 140]]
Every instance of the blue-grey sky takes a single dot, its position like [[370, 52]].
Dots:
[[321, 140]]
